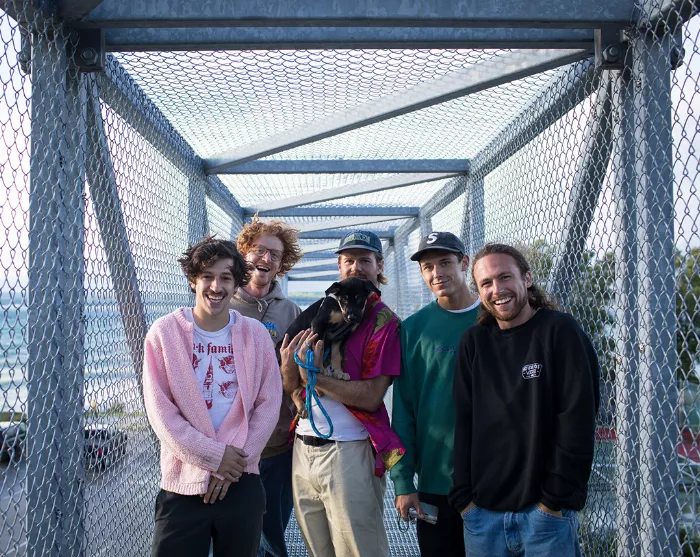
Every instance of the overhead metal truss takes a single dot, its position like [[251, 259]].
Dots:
[[379, 166], [381, 184], [477, 77], [348, 13], [338, 211]]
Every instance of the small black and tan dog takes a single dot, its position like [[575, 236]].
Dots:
[[338, 316]]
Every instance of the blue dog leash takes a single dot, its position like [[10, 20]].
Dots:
[[311, 391]]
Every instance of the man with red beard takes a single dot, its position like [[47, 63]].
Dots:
[[271, 249], [526, 395], [212, 391], [339, 481]]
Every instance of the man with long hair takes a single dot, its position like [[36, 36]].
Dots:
[[526, 395], [212, 391], [271, 249]]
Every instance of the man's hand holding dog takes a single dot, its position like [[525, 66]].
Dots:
[[288, 367], [309, 340]]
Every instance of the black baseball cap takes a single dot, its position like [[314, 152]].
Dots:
[[361, 239], [439, 240]]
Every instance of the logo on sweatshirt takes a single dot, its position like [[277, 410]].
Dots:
[[531, 371], [271, 328]]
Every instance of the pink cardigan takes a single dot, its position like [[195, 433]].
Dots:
[[190, 448]]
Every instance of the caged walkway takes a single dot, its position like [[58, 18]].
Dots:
[[132, 127]]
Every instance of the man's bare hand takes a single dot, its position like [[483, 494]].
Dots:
[[217, 490], [546, 509], [405, 502], [288, 367], [233, 463], [308, 341]]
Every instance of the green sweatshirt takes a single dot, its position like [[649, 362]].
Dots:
[[423, 414]]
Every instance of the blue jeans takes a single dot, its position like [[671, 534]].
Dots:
[[276, 475], [529, 533]]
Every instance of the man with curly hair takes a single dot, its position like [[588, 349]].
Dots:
[[212, 389], [271, 249]]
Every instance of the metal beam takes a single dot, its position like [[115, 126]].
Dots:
[[478, 77], [314, 274], [55, 312], [338, 234], [573, 85], [110, 218], [588, 184], [126, 98], [381, 184], [324, 278], [656, 302], [626, 382], [357, 166], [328, 267], [447, 194], [569, 88], [309, 263], [320, 247], [343, 223], [349, 13], [338, 211], [76, 9], [282, 38], [222, 196]]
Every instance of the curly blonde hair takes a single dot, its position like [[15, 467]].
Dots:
[[287, 235]]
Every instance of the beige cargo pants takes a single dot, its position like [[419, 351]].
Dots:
[[338, 501]]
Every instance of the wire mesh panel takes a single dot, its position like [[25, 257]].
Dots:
[[96, 208], [590, 168]]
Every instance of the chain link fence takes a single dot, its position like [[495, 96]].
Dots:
[[590, 167]]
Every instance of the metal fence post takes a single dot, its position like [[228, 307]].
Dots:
[[584, 198], [626, 385], [108, 210], [55, 313], [473, 220], [197, 222], [658, 395]]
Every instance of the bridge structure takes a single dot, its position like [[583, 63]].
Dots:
[[134, 127]]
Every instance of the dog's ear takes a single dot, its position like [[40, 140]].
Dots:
[[333, 288], [372, 288]]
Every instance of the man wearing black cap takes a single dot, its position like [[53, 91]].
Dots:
[[423, 414], [338, 482]]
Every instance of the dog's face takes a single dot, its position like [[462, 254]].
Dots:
[[351, 294]]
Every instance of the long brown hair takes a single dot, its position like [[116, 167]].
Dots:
[[537, 297]]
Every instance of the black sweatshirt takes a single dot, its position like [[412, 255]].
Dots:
[[526, 400]]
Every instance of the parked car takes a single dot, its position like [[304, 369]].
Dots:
[[12, 439], [103, 447]]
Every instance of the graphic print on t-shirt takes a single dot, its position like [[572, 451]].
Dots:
[[215, 367], [208, 387]]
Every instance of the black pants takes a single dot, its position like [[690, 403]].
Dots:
[[444, 539], [185, 525]]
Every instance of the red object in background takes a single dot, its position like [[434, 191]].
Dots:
[[689, 447], [605, 434]]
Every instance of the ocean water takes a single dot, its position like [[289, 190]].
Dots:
[[109, 377]]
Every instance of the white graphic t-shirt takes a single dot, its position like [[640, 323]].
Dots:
[[212, 362]]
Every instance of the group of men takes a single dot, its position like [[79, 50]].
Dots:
[[495, 395]]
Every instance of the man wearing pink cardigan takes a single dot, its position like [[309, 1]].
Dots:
[[212, 390]]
